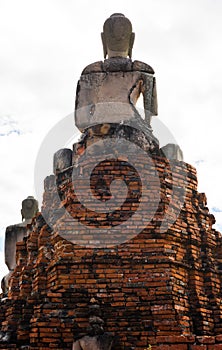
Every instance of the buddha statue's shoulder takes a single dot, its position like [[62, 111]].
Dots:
[[96, 67], [114, 64], [118, 64], [142, 67]]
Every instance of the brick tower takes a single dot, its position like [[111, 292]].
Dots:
[[123, 254]]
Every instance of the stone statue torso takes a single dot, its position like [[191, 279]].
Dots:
[[108, 91]]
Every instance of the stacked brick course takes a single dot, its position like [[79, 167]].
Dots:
[[161, 289]]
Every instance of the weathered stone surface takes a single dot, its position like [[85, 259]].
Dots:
[[103, 98], [13, 234], [103, 132], [172, 151], [62, 159]]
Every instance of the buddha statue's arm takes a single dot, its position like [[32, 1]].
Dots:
[[149, 97], [148, 89]]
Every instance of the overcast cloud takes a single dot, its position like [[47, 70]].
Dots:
[[46, 44]]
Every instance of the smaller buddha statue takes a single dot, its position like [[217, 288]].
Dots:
[[29, 208], [16, 233], [97, 339]]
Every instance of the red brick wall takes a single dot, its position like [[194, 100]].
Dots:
[[161, 288]]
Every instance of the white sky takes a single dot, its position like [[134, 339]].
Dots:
[[45, 44]]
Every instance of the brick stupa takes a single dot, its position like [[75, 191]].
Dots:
[[154, 282]]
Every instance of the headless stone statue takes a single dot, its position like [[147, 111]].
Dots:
[[97, 340], [108, 90], [16, 233]]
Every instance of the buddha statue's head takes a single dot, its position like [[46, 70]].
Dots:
[[117, 36], [29, 208]]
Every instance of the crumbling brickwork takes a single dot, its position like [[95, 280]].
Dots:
[[161, 288]]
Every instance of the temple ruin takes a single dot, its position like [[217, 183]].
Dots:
[[123, 254]]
